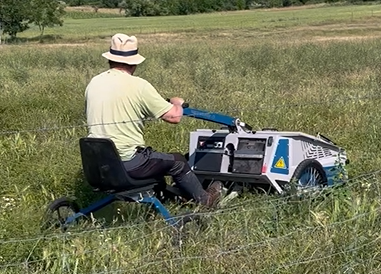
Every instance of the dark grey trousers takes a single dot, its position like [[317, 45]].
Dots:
[[149, 163]]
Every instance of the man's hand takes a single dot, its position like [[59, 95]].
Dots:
[[174, 115], [177, 101]]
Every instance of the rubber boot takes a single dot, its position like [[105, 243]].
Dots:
[[190, 184]]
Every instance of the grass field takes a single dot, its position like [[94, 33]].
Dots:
[[320, 21], [296, 69]]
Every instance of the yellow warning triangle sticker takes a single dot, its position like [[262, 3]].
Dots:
[[280, 163]]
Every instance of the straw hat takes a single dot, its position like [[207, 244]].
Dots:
[[124, 49]]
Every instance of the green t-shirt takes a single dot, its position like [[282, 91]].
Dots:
[[114, 97]]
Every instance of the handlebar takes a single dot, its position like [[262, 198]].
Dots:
[[184, 105], [213, 117]]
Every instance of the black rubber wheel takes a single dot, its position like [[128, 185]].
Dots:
[[57, 213], [309, 175]]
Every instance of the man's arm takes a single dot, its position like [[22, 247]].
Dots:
[[155, 106], [174, 115]]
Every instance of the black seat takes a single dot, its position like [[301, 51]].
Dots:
[[103, 167]]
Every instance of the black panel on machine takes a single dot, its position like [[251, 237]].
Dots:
[[209, 154], [251, 144], [205, 161], [249, 156]]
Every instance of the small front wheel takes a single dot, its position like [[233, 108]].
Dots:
[[58, 212]]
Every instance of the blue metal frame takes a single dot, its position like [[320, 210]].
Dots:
[[210, 116], [160, 208], [91, 208], [111, 198]]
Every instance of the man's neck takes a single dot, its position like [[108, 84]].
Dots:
[[122, 69]]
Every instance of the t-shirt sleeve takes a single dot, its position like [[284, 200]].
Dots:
[[154, 105]]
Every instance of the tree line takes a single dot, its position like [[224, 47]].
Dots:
[[184, 7], [180, 7]]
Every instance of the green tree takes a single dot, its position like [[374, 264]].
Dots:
[[14, 16], [143, 8], [110, 3], [122, 6], [46, 13]]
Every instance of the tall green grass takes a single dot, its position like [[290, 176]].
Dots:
[[332, 88]]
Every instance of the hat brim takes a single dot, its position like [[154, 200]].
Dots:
[[130, 60]]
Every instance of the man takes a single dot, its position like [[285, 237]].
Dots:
[[117, 103]]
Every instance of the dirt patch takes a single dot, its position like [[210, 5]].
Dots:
[[62, 45], [163, 37], [312, 6], [4, 46], [368, 25], [345, 38], [296, 7], [92, 10]]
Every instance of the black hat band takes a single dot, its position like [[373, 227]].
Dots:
[[123, 53]]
